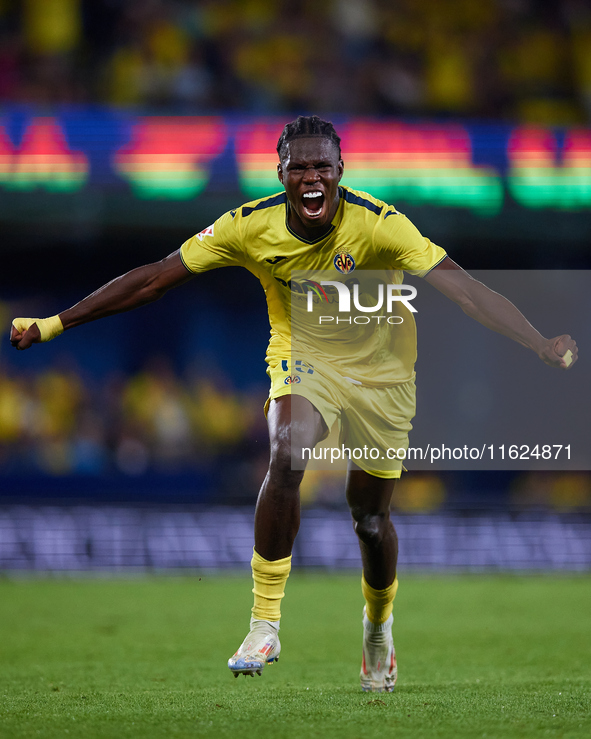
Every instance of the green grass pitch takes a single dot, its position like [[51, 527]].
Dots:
[[479, 656]]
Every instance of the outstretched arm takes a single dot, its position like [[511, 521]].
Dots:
[[140, 286], [499, 314]]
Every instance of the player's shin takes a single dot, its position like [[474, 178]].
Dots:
[[269, 586], [378, 603]]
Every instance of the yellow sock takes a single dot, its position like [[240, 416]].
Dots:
[[378, 603], [269, 586]]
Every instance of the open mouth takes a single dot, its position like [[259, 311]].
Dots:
[[313, 202]]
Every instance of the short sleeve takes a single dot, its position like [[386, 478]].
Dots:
[[218, 245], [400, 245]]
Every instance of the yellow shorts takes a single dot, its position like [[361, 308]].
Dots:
[[372, 421]]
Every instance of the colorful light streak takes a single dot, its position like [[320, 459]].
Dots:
[[167, 157], [171, 158], [394, 162], [419, 164], [256, 156], [537, 180], [43, 159]]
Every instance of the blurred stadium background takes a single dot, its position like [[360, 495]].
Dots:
[[126, 127]]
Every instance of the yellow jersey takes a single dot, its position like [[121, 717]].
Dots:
[[365, 234]]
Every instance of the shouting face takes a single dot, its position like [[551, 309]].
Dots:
[[310, 170]]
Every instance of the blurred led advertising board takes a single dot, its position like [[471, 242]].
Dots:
[[148, 161]]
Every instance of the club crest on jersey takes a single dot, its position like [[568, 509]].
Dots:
[[343, 261], [206, 232], [292, 380]]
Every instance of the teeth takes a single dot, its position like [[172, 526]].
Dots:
[[312, 194]]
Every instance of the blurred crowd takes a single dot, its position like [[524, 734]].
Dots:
[[59, 422], [527, 60]]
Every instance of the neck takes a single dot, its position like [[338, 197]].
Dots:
[[305, 232]]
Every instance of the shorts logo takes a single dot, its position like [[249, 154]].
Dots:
[[344, 261], [300, 366], [292, 380]]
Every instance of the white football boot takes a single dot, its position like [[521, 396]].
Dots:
[[378, 664], [260, 647]]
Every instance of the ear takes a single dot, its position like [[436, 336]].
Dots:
[[341, 169], [280, 172]]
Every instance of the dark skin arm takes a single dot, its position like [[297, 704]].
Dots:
[[135, 288], [499, 314]]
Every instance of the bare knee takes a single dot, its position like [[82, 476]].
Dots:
[[291, 433], [371, 528], [282, 474]]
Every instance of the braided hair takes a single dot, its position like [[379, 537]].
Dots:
[[305, 126]]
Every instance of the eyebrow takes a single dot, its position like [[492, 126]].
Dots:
[[318, 163]]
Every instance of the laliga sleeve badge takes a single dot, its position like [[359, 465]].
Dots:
[[292, 380], [343, 260], [206, 232]]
